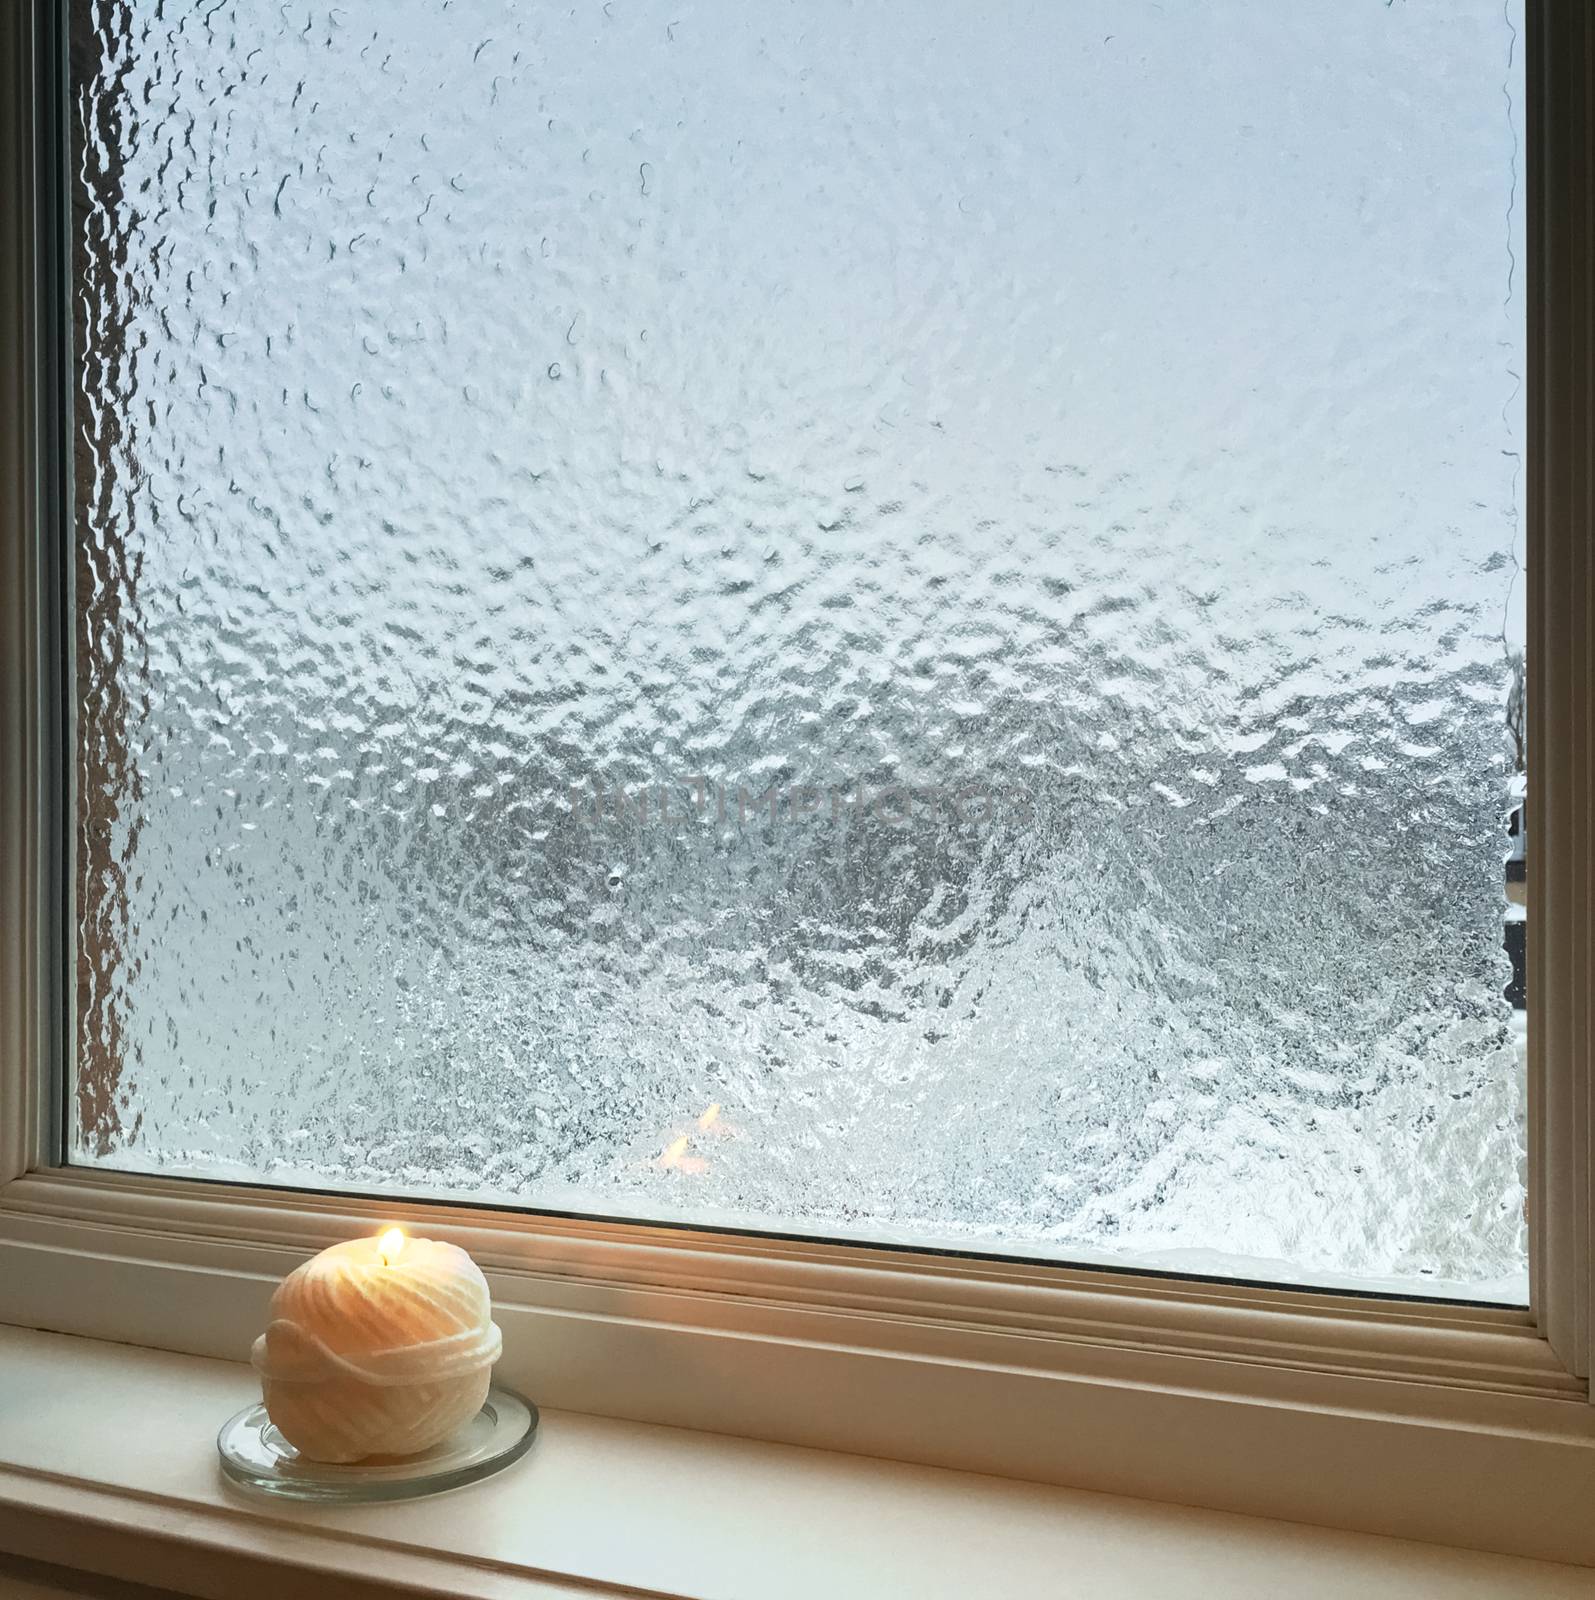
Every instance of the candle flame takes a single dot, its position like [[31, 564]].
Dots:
[[389, 1246], [675, 1158], [710, 1117]]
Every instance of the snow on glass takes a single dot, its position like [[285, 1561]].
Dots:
[[892, 621]]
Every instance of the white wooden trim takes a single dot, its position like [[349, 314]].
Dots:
[[99, 1434], [1398, 1417], [202, 1551], [704, 1279], [1345, 1413], [1561, 665], [27, 943]]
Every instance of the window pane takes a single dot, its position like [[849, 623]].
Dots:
[[887, 620]]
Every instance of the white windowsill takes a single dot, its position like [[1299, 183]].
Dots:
[[107, 1463]]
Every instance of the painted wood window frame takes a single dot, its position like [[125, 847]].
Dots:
[[1465, 1425]]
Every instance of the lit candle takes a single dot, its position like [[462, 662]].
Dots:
[[377, 1347]]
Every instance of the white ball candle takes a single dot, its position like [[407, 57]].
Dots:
[[377, 1347]]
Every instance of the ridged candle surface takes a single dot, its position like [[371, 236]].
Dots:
[[367, 1357]]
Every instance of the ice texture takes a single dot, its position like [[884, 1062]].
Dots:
[[1069, 454]]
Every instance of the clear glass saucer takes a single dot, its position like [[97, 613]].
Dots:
[[255, 1455]]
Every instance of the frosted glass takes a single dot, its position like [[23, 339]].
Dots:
[[1068, 454]]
